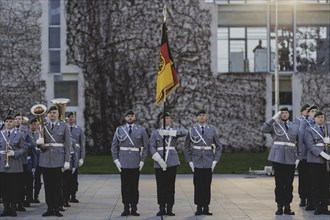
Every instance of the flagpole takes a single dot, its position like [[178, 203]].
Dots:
[[164, 109]]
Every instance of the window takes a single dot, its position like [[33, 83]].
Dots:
[[54, 37], [54, 12], [67, 89], [54, 61]]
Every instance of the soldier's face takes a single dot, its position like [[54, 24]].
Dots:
[[168, 121], [202, 118], [10, 124], [53, 115], [319, 120], [312, 113], [33, 126], [130, 119], [72, 119], [305, 112], [18, 120], [285, 115]]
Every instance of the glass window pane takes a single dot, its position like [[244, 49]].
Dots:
[[54, 12], [54, 38], [223, 59], [55, 61], [237, 55], [67, 89], [237, 33]]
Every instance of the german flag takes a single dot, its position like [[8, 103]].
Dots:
[[167, 79]]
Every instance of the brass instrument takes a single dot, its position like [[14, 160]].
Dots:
[[7, 155], [39, 110], [61, 105], [327, 146]]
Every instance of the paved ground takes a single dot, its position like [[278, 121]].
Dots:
[[233, 197]]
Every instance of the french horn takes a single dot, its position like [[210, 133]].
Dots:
[[61, 105]]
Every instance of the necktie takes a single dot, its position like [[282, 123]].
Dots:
[[322, 129], [130, 130], [71, 128], [8, 134], [286, 125], [202, 130], [52, 126]]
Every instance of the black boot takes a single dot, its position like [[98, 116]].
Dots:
[[126, 210], [6, 210], [170, 210], [66, 203], [199, 210], [20, 207], [134, 210], [302, 202], [49, 212], [74, 199], [279, 210], [206, 210], [161, 210], [287, 210]]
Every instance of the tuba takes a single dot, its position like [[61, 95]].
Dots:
[[39, 110], [61, 105]]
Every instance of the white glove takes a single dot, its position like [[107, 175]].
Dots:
[[296, 163], [277, 115], [66, 165], [40, 141], [33, 170], [156, 157], [326, 140], [10, 153], [81, 162], [164, 132], [141, 165], [118, 164], [191, 164], [325, 155], [73, 170], [213, 164]]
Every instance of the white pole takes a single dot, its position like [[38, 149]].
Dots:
[[277, 96]]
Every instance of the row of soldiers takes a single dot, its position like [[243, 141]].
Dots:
[[202, 150], [25, 155], [305, 144]]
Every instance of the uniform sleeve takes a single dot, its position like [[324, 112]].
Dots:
[[67, 143], [115, 146], [145, 146], [153, 143], [186, 148], [310, 144], [267, 127], [22, 147], [82, 145], [181, 132], [218, 146]]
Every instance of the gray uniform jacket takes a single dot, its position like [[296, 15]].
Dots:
[[298, 120], [156, 145], [78, 135], [202, 158], [313, 142], [304, 125], [74, 154], [18, 145], [131, 154], [30, 155], [54, 156], [284, 150]]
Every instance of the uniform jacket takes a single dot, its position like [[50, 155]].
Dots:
[[304, 125], [156, 142], [202, 158], [78, 135], [282, 153], [74, 152], [18, 145], [54, 157], [35, 136], [311, 140], [30, 156], [127, 158], [298, 120]]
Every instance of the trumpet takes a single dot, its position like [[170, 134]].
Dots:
[[39, 110], [7, 153], [61, 105]]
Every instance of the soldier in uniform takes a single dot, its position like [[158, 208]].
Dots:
[[34, 132], [283, 154], [78, 135], [129, 152], [202, 150], [54, 155], [165, 169], [302, 166], [305, 186], [317, 157], [29, 162], [12, 149]]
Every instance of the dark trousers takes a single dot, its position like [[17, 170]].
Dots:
[[22, 184], [202, 186], [28, 186], [304, 187], [74, 187], [37, 182], [130, 185], [10, 183], [166, 185], [320, 184], [53, 186], [284, 175], [67, 184]]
